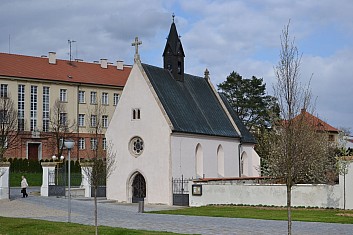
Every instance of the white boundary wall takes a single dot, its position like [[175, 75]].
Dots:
[[267, 194], [245, 192]]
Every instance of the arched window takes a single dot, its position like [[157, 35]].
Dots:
[[220, 161], [199, 161], [244, 164]]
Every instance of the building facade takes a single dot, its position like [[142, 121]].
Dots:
[[54, 96], [172, 125]]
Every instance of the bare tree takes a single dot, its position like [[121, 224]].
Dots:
[[8, 126], [102, 156], [61, 127], [299, 153]]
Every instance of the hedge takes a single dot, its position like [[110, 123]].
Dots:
[[20, 165]]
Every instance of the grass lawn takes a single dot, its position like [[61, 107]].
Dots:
[[35, 179], [268, 213], [30, 226]]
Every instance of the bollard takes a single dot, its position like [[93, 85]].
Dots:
[[141, 206]]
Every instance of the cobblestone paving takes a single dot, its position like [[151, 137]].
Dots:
[[127, 216]]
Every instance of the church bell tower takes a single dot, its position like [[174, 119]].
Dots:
[[173, 55]]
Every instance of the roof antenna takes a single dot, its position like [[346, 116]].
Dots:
[[9, 43], [70, 42]]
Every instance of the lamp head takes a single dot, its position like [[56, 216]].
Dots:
[[69, 143]]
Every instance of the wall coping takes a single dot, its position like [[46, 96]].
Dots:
[[5, 164], [48, 164]]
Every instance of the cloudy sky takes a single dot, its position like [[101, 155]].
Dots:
[[223, 36]]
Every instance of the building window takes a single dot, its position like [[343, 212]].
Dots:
[[81, 144], [93, 120], [93, 143], [136, 146], [34, 108], [21, 107], [136, 114], [93, 97], [331, 138], [105, 98], [46, 96], [3, 91], [104, 142], [81, 97], [3, 142], [63, 95], [63, 119], [116, 99], [81, 120], [105, 121]]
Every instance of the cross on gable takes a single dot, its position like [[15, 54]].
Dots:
[[136, 44]]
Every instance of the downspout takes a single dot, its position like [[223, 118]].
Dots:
[[78, 127], [239, 158]]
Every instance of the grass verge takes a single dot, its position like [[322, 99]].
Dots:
[[13, 226], [268, 213]]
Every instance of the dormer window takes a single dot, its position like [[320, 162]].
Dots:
[[179, 67], [136, 114]]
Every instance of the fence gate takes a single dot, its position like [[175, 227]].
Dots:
[[57, 181], [180, 191]]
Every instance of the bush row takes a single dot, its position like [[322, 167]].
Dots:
[[32, 166]]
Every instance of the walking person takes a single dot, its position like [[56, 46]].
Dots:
[[24, 186]]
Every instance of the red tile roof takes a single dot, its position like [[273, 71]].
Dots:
[[317, 122], [21, 66]]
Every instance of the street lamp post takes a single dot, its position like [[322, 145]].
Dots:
[[69, 144]]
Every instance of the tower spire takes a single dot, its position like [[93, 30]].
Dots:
[[173, 55]]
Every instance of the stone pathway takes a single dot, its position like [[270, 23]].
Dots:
[[127, 216]]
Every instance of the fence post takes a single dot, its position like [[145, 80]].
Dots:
[[4, 180], [86, 169], [48, 168]]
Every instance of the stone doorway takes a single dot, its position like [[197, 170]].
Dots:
[[138, 188]]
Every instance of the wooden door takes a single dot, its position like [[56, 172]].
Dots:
[[33, 151]]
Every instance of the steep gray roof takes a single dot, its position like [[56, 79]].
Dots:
[[191, 105], [246, 136]]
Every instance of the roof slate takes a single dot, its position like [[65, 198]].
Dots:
[[191, 105], [21, 66]]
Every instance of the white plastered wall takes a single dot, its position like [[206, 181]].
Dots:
[[253, 160], [184, 159], [154, 162]]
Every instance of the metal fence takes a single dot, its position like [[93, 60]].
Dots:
[[180, 187]]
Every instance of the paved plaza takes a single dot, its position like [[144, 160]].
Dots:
[[126, 216]]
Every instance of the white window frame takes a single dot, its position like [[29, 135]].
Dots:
[[63, 95], [105, 121], [104, 143], [81, 97], [34, 108], [93, 121], [81, 120], [63, 119], [46, 108], [115, 99], [21, 107], [94, 144], [93, 97], [81, 143], [4, 91], [105, 98]]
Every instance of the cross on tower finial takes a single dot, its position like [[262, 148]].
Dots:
[[173, 17], [136, 44]]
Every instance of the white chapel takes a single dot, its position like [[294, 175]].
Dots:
[[169, 124]]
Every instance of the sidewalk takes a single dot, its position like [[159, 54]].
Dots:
[[126, 216]]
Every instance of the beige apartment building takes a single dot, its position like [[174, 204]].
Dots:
[[39, 85]]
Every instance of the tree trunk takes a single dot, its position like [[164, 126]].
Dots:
[[95, 210], [289, 204]]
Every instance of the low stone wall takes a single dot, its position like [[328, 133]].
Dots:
[[265, 194]]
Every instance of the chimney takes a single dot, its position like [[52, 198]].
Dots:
[[52, 57], [104, 63], [120, 65]]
